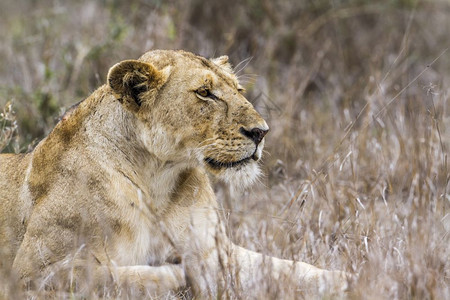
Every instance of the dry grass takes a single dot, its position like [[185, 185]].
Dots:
[[356, 94]]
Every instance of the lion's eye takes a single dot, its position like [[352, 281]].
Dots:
[[205, 93]]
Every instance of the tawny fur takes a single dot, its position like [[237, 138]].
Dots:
[[121, 184]]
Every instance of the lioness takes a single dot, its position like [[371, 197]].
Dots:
[[119, 190]]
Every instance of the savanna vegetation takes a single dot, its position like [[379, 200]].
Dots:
[[357, 95]]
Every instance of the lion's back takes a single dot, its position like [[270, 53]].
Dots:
[[14, 208]]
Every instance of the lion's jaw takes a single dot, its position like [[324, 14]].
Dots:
[[240, 177], [239, 170], [237, 166]]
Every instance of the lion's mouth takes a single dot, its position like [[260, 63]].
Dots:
[[215, 164]]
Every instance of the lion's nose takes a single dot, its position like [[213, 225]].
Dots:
[[255, 134]]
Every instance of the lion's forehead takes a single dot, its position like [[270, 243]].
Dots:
[[195, 67], [202, 77]]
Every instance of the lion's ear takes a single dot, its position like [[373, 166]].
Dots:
[[222, 62], [134, 81]]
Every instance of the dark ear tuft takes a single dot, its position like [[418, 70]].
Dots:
[[131, 79]]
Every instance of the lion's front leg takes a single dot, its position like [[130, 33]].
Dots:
[[82, 272], [250, 264], [147, 280], [213, 270], [84, 277], [213, 263], [206, 253]]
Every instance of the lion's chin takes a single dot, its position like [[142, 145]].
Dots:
[[239, 176]]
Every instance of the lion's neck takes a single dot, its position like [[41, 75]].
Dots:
[[112, 132]]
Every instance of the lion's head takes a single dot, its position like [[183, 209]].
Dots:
[[191, 109]]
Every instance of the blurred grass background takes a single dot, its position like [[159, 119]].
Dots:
[[356, 93]]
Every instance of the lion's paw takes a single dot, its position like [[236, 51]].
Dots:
[[334, 282]]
